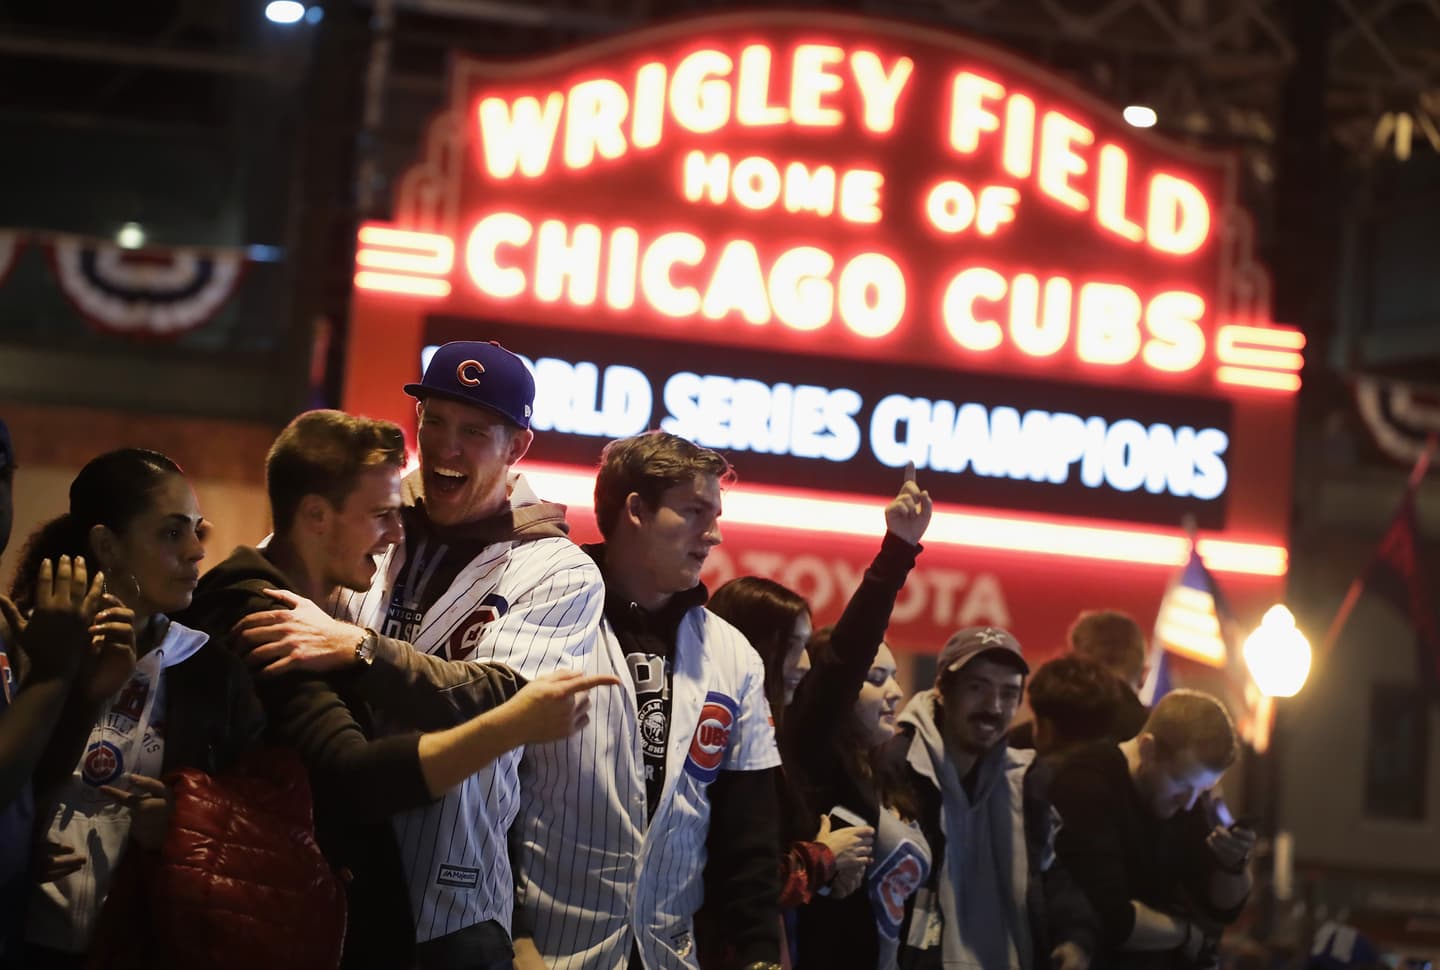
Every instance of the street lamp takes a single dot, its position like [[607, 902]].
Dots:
[[284, 11], [1278, 654]]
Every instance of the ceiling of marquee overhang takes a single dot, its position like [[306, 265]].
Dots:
[[1212, 69]]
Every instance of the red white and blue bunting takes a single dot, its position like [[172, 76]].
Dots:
[[144, 292], [139, 293], [1400, 418]]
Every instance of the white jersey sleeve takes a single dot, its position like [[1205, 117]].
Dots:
[[555, 615], [752, 742], [536, 606]]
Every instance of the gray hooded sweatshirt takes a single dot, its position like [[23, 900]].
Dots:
[[980, 917]]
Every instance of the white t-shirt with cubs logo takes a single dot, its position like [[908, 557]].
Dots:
[[594, 879], [901, 866], [128, 738]]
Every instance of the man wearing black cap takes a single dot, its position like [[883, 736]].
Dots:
[[998, 901], [484, 571]]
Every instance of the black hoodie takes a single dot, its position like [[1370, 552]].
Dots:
[[358, 779]]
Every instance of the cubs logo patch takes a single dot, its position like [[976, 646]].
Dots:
[[103, 763], [894, 881], [465, 639], [712, 737], [468, 373]]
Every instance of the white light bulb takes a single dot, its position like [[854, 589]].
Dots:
[[284, 11], [1140, 116], [130, 236]]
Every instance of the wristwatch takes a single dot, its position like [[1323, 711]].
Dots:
[[365, 649]]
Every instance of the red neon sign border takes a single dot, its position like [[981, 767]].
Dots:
[[836, 514]]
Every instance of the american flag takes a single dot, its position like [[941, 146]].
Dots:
[[1195, 624], [1190, 617]]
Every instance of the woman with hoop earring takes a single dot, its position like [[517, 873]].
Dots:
[[154, 696]]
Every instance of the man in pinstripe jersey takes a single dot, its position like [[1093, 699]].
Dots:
[[668, 796], [485, 571]]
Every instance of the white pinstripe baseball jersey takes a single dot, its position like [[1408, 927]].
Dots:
[[592, 876], [533, 605]]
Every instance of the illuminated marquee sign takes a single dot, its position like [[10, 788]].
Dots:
[[807, 421], [863, 190], [828, 247]]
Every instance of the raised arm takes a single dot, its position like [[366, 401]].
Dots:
[[834, 681]]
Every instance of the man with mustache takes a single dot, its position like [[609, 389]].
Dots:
[[995, 898], [1144, 839]]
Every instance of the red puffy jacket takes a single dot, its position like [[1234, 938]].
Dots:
[[239, 884]]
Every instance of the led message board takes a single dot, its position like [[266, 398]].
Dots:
[[808, 421], [828, 250]]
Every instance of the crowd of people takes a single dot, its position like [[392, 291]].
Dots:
[[522, 752]]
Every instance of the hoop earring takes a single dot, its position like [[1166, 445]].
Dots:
[[105, 584]]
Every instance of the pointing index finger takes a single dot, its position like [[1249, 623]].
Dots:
[[593, 680], [910, 471]]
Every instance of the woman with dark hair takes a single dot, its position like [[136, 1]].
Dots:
[[156, 698], [776, 621], [827, 793]]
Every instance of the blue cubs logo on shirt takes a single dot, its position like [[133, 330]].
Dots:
[[103, 763], [894, 881], [466, 637], [712, 736]]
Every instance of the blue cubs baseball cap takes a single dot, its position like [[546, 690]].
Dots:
[[482, 374]]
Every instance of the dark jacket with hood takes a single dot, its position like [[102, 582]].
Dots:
[[999, 893], [360, 778]]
